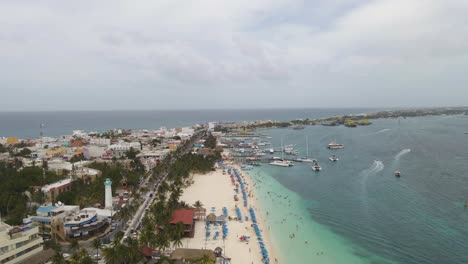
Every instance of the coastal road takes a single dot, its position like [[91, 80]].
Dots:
[[149, 199]]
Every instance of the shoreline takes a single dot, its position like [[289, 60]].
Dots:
[[216, 191]]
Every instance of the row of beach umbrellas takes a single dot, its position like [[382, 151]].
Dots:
[[263, 250]]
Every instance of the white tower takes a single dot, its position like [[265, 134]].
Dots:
[[108, 197]]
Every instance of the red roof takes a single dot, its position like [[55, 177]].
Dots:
[[182, 215], [147, 252]]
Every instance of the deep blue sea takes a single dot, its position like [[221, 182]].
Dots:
[[27, 124], [355, 210]]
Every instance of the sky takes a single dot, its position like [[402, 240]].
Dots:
[[211, 54]]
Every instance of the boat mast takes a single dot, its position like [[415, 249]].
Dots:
[[282, 149], [307, 146]]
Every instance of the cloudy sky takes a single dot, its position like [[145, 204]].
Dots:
[[169, 54]]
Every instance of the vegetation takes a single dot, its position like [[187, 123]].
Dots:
[[210, 141], [118, 253], [3, 149], [131, 153], [13, 201], [25, 152], [86, 193], [77, 158]]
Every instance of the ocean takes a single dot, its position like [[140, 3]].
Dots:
[[27, 124], [355, 210]]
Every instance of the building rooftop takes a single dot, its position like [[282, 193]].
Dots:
[[45, 209], [47, 188], [183, 215]]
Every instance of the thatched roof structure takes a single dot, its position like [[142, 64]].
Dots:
[[211, 217]]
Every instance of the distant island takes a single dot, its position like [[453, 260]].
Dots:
[[352, 120]]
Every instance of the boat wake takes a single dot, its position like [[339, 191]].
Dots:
[[376, 167], [401, 153], [382, 131]]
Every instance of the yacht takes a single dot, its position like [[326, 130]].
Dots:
[[334, 145], [333, 158], [397, 173], [305, 159], [281, 163], [316, 167]]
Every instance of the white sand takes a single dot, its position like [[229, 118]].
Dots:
[[216, 190]]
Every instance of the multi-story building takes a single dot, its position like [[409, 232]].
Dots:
[[53, 190], [18, 243], [63, 222]]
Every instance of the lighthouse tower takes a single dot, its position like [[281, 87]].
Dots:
[[108, 197]]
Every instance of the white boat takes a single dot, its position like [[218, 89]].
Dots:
[[333, 158], [316, 167], [305, 159], [397, 173], [334, 145], [281, 163]]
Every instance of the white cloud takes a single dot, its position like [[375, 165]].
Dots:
[[176, 48]]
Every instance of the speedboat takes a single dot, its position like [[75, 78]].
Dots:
[[334, 145], [333, 158], [316, 167], [397, 173]]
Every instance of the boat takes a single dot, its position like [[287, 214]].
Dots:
[[334, 145], [333, 158], [298, 127], [306, 158], [316, 167], [281, 162], [397, 173]]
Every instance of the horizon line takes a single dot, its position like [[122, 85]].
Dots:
[[227, 109]]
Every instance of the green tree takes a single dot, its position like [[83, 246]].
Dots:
[[25, 152], [74, 245], [198, 204], [58, 258], [210, 141], [97, 244], [131, 153]]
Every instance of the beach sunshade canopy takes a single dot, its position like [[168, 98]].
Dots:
[[211, 217]]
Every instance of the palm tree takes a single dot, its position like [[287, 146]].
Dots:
[[97, 244], [110, 255], [206, 259], [178, 231], [133, 253], [58, 258], [74, 245], [198, 204], [165, 260]]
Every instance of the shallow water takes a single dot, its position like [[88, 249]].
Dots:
[[355, 210]]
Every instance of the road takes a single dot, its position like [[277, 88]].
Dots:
[[149, 199]]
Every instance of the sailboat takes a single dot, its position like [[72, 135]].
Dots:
[[281, 162], [306, 158]]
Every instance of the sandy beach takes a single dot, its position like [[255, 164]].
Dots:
[[216, 190]]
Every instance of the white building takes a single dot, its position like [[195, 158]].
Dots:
[[108, 193], [18, 243], [100, 141]]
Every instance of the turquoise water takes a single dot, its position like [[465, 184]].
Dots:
[[355, 210]]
